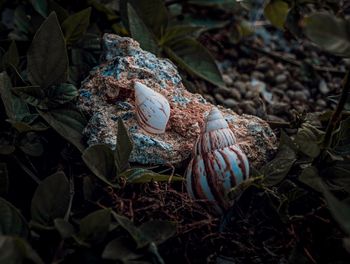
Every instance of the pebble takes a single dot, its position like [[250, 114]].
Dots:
[[248, 107], [321, 102], [323, 87], [223, 91], [219, 98], [279, 108], [209, 98], [296, 85], [282, 86], [274, 118], [263, 67], [231, 103], [241, 86], [257, 75], [227, 79], [245, 77], [235, 94], [281, 78], [300, 96]]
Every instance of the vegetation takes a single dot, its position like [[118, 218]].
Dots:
[[63, 202]]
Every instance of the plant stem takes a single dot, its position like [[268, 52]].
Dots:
[[336, 117]]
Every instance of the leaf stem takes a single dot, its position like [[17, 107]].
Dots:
[[336, 117]]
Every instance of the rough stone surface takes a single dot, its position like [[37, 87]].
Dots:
[[108, 93]]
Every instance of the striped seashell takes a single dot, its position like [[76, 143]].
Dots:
[[152, 109], [218, 163]]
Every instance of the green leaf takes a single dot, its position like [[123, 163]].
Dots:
[[277, 169], [156, 231], [140, 175], [276, 11], [95, 226], [32, 95], [329, 32], [11, 220], [47, 55], [15, 250], [342, 139], [150, 232], [100, 160], [153, 14], [4, 179], [61, 13], [30, 143], [15, 108], [140, 32], [68, 122], [11, 57], [190, 55], [308, 140], [337, 175], [75, 26], [62, 93], [340, 210], [40, 6], [65, 228], [120, 249], [50, 200], [123, 148], [177, 32], [310, 177]]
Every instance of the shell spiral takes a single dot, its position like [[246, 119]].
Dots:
[[217, 164], [152, 109]]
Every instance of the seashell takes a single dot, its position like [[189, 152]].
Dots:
[[218, 163], [152, 109]]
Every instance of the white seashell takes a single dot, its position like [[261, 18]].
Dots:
[[218, 163], [152, 109]]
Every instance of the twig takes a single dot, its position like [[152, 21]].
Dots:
[[71, 195]]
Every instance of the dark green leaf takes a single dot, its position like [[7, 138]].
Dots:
[[40, 6], [153, 14], [276, 11], [139, 175], [149, 232], [123, 148], [156, 231], [310, 177], [88, 188], [62, 93], [11, 57], [177, 32], [120, 249], [204, 23], [75, 26], [6, 149], [11, 220], [340, 210], [309, 139], [47, 55], [14, 250], [22, 25], [95, 226], [65, 228], [15, 108], [68, 122], [140, 32], [329, 32], [30, 143], [342, 139], [100, 160], [50, 200], [277, 169], [337, 175], [32, 95], [61, 13], [4, 179], [190, 55]]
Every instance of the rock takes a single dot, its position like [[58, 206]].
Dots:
[[209, 98], [321, 102], [227, 79], [241, 86], [108, 94], [223, 91], [219, 98], [248, 107], [281, 78], [235, 94], [257, 75], [323, 87], [300, 96], [297, 86], [230, 103]]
